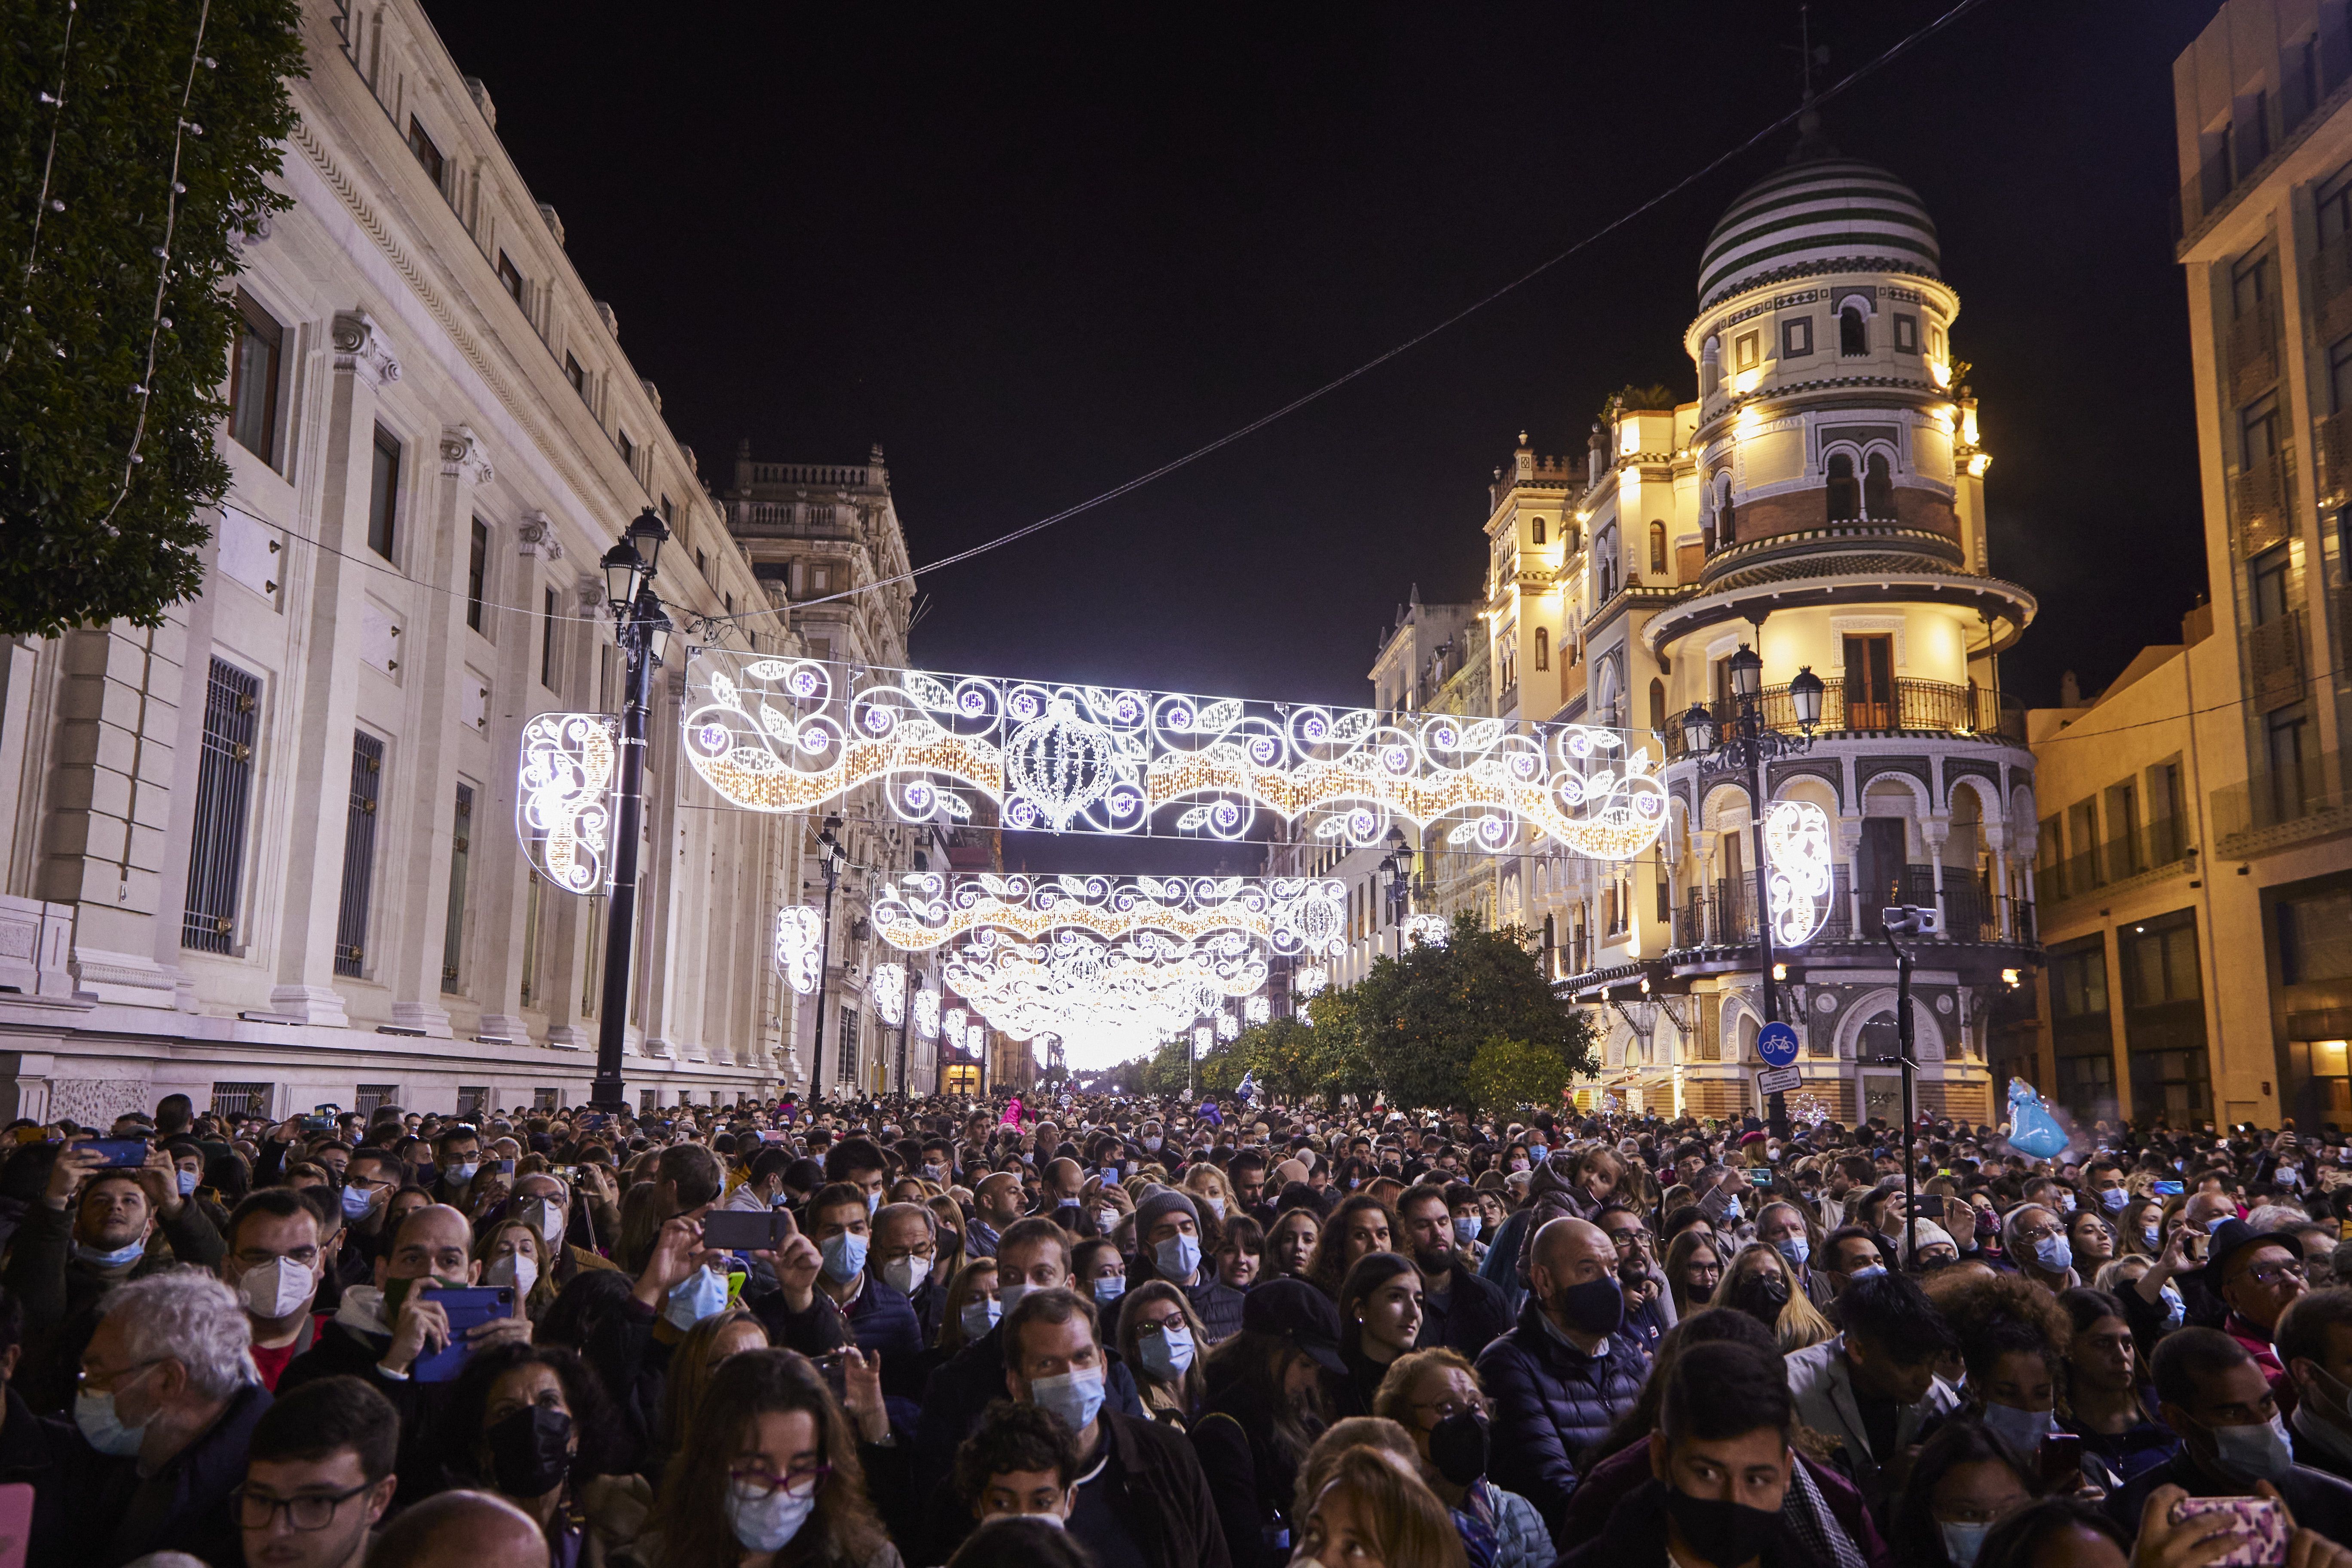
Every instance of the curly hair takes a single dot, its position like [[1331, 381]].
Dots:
[[1997, 1314], [583, 1395]]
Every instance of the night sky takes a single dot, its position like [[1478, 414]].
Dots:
[[1036, 251]]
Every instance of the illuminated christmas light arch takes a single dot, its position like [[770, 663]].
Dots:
[[1292, 915], [1798, 876], [788, 735]]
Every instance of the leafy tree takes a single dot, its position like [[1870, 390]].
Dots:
[[1421, 1018], [99, 482], [1509, 1075]]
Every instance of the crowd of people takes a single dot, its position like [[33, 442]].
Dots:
[[1103, 1330]]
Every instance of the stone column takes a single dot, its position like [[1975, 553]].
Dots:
[[324, 647], [1935, 831], [1996, 838], [1848, 845], [501, 875]]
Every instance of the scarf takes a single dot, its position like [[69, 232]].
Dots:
[[1807, 1515]]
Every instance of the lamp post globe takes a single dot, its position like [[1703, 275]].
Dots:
[[649, 533], [1747, 673], [1698, 730], [622, 566], [1805, 696]]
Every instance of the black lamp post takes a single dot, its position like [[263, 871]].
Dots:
[[1743, 741], [643, 632], [907, 990], [1396, 880], [831, 858]]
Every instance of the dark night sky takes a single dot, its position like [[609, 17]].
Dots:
[[1036, 251]]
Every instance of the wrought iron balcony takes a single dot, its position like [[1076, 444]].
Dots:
[[1913, 707]]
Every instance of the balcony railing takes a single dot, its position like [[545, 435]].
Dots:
[[1913, 707], [2275, 665], [2254, 353], [2306, 82], [2150, 847], [792, 520], [1723, 915], [2304, 799], [2263, 494]]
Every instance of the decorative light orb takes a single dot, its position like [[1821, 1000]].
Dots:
[[927, 1013]]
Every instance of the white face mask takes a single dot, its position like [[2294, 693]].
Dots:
[[277, 1288], [1963, 1539], [520, 1269], [906, 1275], [545, 1215], [767, 1523]]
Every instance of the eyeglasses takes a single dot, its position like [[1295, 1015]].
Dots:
[[311, 1511], [2269, 1274], [82, 1378], [1449, 1406], [798, 1482]]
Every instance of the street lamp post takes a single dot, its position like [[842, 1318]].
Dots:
[[1743, 741], [906, 1021], [643, 632], [1396, 880], [830, 858]]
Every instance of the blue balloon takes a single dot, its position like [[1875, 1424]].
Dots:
[[2032, 1130]]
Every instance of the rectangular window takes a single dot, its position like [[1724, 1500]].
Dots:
[[373, 1097], [359, 855], [668, 513], [224, 789], [253, 380], [473, 1101], [2250, 285], [845, 1064], [628, 449], [510, 276], [2078, 979], [2335, 207], [1870, 701], [2258, 426], [1796, 337], [240, 1099], [383, 493], [702, 565], [1745, 349], [478, 565], [429, 156], [453, 934], [2161, 962], [546, 638], [1906, 334], [576, 376], [547, 1099], [2268, 574], [649, 1100], [2316, 937]]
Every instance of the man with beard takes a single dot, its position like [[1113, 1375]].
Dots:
[[1459, 1310]]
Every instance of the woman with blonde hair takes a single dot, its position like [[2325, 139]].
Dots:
[[1372, 1513], [1208, 1188], [1432, 1388], [513, 1253], [1759, 1283], [1290, 1244]]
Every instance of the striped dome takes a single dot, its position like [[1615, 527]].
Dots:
[[1821, 211]]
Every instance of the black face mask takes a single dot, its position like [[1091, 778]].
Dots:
[[1457, 1447], [530, 1452], [1722, 1531], [1762, 1297], [1595, 1306]]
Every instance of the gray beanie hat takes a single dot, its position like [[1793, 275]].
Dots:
[[1158, 1203]]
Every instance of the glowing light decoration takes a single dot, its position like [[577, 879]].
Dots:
[[1228, 1026], [800, 946], [1204, 1040], [1798, 878], [564, 804], [1292, 915], [1103, 1000], [887, 991], [1311, 981], [952, 1028], [927, 1013], [1428, 930], [1258, 1010], [790, 735]]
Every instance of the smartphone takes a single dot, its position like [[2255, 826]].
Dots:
[[327, 1110], [32, 1134], [503, 1167], [2166, 1189], [836, 1376], [1761, 1175], [745, 1230], [122, 1153], [2060, 1461], [318, 1123], [2261, 1521], [2199, 1244], [468, 1309]]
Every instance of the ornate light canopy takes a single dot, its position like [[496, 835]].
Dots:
[[800, 946], [1104, 999], [1798, 877], [887, 991], [1289, 914], [563, 804], [783, 736]]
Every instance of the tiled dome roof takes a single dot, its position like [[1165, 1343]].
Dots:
[[1818, 212]]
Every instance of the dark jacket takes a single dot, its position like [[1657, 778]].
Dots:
[[931, 1303], [345, 1350], [32, 1451], [116, 1516], [1552, 1402], [61, 1293], [1636, 1532], [1165, 1503], [2309, 1450], [1501, 1267], [1625, 1472], [881, 1320], [2317, 1501], [1219, 1304], [957, 1394], [1469, 1316]]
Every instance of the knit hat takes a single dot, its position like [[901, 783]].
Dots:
[[1927, 1233], [1159, 1202]]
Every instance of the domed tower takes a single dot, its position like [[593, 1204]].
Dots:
[[1829, 516]]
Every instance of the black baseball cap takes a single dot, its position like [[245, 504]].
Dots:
[[1295, 1311]]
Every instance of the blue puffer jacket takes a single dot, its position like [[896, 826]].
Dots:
[[1551, 1402]]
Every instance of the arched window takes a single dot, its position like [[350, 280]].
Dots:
[[1543, 648], [1539, 530], [1604, 562], [1727, 533], [1846, 497], [1570, 540], [1658, 706], [1878, 487], [1853, 333], [1657, 550]]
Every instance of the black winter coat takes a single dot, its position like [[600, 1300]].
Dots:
[[1552, 1403]]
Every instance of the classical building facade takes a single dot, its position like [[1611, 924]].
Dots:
[[2198, 846], [264, 854], [1821, 502]]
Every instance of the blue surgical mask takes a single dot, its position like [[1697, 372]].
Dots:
[[103, 1428], [2053, 1254], [1178, 1257], [1465, 1229], [1110, 1290], [355, 1202], [2022, 1430], [767, 1523], [187, 1183], [2254, 1453], [978, 1316], [698, 1296], [2113, 1199], [1075, 1396], [2175, 1308], [1009, 1296], [873, 1201], [1867, 1270], [1166, 1354], [459, 1175], [1796, 1249], [128, 1253], [844, 1255], [1964, 1539]]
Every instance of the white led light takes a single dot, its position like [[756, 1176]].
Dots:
[[1105, 1001], [887, 990], [790, 735], [1311, 981], [563, 799], [1427, 930], [1290, 914], [927, 1013], [1258, 1010], [1798, 877], [800, 946]]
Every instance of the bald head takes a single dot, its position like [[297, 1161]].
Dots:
[[460, 1530], [1567, 1252]]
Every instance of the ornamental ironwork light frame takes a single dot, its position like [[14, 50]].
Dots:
[[643, 632], [1742, 742]]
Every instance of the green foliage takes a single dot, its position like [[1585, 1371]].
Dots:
[[1657, 398], [73, 335], [1508, 1076], [1420, 1020]]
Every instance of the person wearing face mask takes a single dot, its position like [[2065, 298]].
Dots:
[[1160, 1337], [1435, 1395], [1566, 1371], [1460, 1311], [877, 1315], [524, 1424], [92, 1230], [275, 1264], [2232, 1437], [2313, 1339], [1721, 1469], [456, 1160], [1141, 1496], [1170, 1246], [1963, 1483], [514, 1255], [771, 1463], [2033, 1240], [2108, 1401], [904, 1257], [166, 1411], [1873, 1389]]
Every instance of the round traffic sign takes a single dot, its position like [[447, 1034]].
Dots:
[[1776, 1044]]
